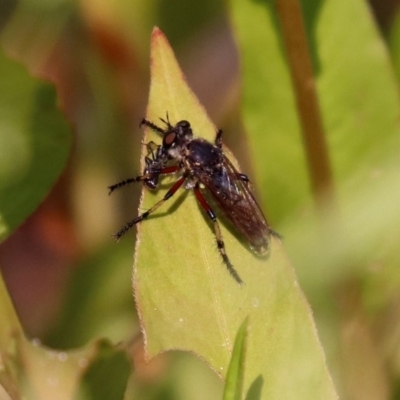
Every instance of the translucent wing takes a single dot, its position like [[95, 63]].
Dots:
[[232, 194]]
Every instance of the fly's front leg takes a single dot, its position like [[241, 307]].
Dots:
[[151, 149], [127, 182], [143, 216], [218, 234], [218, 138], [152, 126], [147, 176]]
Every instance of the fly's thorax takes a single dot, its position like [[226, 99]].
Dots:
[[204, 153]]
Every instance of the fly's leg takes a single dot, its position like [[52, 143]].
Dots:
[[156, 128], [218, 138], [143, 216], [218, 143], [141, 178], [151, 148], [126, 182], [218, 235], [153, 126]]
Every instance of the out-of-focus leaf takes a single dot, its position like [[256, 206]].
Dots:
[[28, 370], [107, 375], [91, 301], [35, 141], [185, 297], [33, 28]]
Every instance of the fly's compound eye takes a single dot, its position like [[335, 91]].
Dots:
[[169, 139], [181, 131]]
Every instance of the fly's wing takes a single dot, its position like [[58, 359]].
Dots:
[[232, 194]]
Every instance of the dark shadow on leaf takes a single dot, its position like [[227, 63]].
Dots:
[[106, 377], [168, 208], [255, 389]]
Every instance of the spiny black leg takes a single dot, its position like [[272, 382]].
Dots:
[[143, 216], [218, 138], [161, 171], [218, 235], [218, 143], [151, 147], [152, 126], [125, 182]]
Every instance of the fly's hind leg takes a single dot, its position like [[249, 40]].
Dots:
[[218, 235]]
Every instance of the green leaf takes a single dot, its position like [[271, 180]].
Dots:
[[35, 141], [187, 300], [235, 375]]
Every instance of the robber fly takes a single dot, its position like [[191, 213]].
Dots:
[[202, 166]]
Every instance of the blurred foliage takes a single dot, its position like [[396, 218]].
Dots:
[[29, 370], [34, 136], [71, 285]]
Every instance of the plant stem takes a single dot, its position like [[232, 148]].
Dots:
[[299, 60]]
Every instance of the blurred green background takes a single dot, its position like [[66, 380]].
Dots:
[[71, 283]]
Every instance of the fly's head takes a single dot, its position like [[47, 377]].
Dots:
[[176, 139], [171, 150]]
